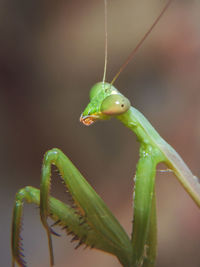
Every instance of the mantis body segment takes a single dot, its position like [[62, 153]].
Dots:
[[91, 222]]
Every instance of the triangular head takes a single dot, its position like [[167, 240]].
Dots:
[[105, 102]]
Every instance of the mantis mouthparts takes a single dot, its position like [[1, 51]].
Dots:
[[87, 120]]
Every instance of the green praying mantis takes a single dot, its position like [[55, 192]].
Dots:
[[91, 222]]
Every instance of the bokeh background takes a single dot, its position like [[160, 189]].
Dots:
[[51, 53]]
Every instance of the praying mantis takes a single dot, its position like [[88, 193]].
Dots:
[[91, 222]]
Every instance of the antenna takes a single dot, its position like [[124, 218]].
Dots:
[[106, 40], [132, 54]]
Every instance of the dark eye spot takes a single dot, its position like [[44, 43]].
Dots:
[[122, 105]]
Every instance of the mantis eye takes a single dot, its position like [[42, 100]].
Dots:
[[95, 90], [115, 105], [99, 87]]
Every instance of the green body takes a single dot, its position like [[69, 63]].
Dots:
[[91, 222]]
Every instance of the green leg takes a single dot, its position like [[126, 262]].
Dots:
[[144, 227], [151, 244], [65, 216], [100, 228]]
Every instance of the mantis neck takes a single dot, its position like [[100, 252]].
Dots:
[[136, 122], [148, 136]]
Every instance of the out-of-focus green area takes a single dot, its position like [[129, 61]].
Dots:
[[51, 53]]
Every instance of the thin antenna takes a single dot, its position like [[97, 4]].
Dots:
[[132, 54], [106, 40]]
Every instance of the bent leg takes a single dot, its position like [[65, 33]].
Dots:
[[91, 222], [63, 215], [90, 206]]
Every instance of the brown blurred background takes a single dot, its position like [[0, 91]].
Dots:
[[51, 53]]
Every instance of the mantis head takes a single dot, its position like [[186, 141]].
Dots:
[[105, 102]]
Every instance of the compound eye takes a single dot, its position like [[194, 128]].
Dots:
[[95, 90], [115, 105]]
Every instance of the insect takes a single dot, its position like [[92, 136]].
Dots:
[[91, 222]]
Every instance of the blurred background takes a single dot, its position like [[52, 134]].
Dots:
[[51, 53]]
